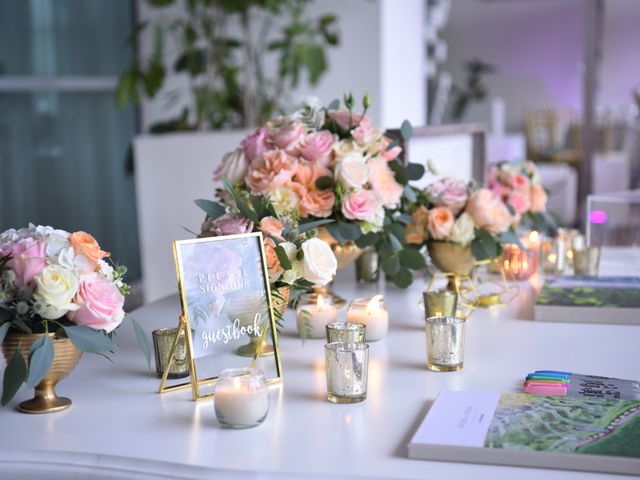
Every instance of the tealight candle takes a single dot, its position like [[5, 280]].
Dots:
[[371, 312], [241, 398], [314, 313]]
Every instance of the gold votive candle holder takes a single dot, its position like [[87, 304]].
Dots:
[[518, 264], [345, 332], [347, 371], [586, 262], [367, 266], [440, 303], [553, 256], [163, 339], [445, 343]]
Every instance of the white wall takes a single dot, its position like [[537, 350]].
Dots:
[[381, 52]]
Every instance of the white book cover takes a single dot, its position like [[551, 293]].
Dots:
[[572, 433]]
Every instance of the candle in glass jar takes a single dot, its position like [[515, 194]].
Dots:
[[241, 398], [373, 314], [317, 312]]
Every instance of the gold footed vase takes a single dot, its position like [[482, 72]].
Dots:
[[454, 260], [345, 254], [66, 356]]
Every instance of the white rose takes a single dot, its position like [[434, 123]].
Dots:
[[295, 272], [55, 288], [345, 148], [319, 264], [105, 270], [233, 167], [284, 200], [352, 171], [463, 229], [57, 240]]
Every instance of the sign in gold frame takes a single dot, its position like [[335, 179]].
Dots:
[[185, 320]]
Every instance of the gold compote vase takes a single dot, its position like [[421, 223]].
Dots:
[[66, 356], [345, 253]]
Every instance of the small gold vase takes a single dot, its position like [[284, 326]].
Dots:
[[66, 356], [451, 257], [345, 254]]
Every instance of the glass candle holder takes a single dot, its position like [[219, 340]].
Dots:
[[367, 266], [553, 255], [519, 264], [345, 332], [314, 312], [445, 343], [440, 303], [372, 312], [586, 262], [241, 398], [163, 339], [347, 371]]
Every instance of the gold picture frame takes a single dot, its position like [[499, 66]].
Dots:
[[256, 280]]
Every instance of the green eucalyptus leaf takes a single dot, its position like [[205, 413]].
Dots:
[[414, 171], [228, 187], [325, 182], [410, 195], [14, 375], [399, 231], [89, 340], [40, 360], [213, 209], [334, 230], [349, 231], [407, 130], [412, 258], [4, 328], [399, 171], [143, 341], [21, 325], [484, 246], [396, 245], [391, 265], [405, 217], [283, 258], [403, 278], [367, 240], [334, 105], [305, 227], [246, 211]]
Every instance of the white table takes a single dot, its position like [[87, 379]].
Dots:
[[118, 427]]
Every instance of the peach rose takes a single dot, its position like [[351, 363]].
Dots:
[[360, 205], [316, 146], [85, 244], [383, 182], [519, 201], [307, 174], [488, 212], [273, 264], [272, 227], [270, 171], [538, 199], [440, 223], [416, 229], [318, 203]]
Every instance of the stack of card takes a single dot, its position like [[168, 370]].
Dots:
[[567, 384]]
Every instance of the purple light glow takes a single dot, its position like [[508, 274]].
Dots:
[[598, 217]]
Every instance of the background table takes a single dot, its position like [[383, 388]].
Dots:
[[119, 427]]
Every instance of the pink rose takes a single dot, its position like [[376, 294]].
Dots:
[[392, 153], [383, 182], [316, 146], [440, 223], [538, 199], [270, 171], [448, 192], [519, 202], [100, 304], [341, 117], [488, 212], [360, 205], [498, 189], [364, 134], [233, 167], [255, 144], [272, 227], [317, 203], [28, 259], [286, 133], [519, 182], [226, 224]]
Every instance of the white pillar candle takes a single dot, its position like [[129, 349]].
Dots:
[[373, 314], [316, 314], [241, 398]]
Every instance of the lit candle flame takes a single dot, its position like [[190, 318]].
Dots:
[[321, 303], [534, 237], [236, 383], [374, 304]]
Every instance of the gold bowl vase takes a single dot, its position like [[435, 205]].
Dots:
[[345, 254], [66, 356], [451, 258]]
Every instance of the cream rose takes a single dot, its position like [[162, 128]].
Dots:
[[55, 288], [233, 167], [463, 231], [284, 200], [352, 171], [319, 264], [295, 272]]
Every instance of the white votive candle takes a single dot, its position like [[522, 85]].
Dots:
[[241, 398], [372, 312], [314, 313]]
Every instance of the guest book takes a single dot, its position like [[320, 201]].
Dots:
[[589, 300], [570, 433]]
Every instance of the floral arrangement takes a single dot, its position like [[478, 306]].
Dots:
[[520, 188], [53, 281], [332, 163], [295, 257], [450, 210]]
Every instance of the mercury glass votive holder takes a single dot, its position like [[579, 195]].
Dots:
[[345, 332], [440, 303], [445, 343], [347, 367], [367, 266], [586, 262], [163, 339]]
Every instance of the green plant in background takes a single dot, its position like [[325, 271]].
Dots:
[[225, 48], [474, 90]]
